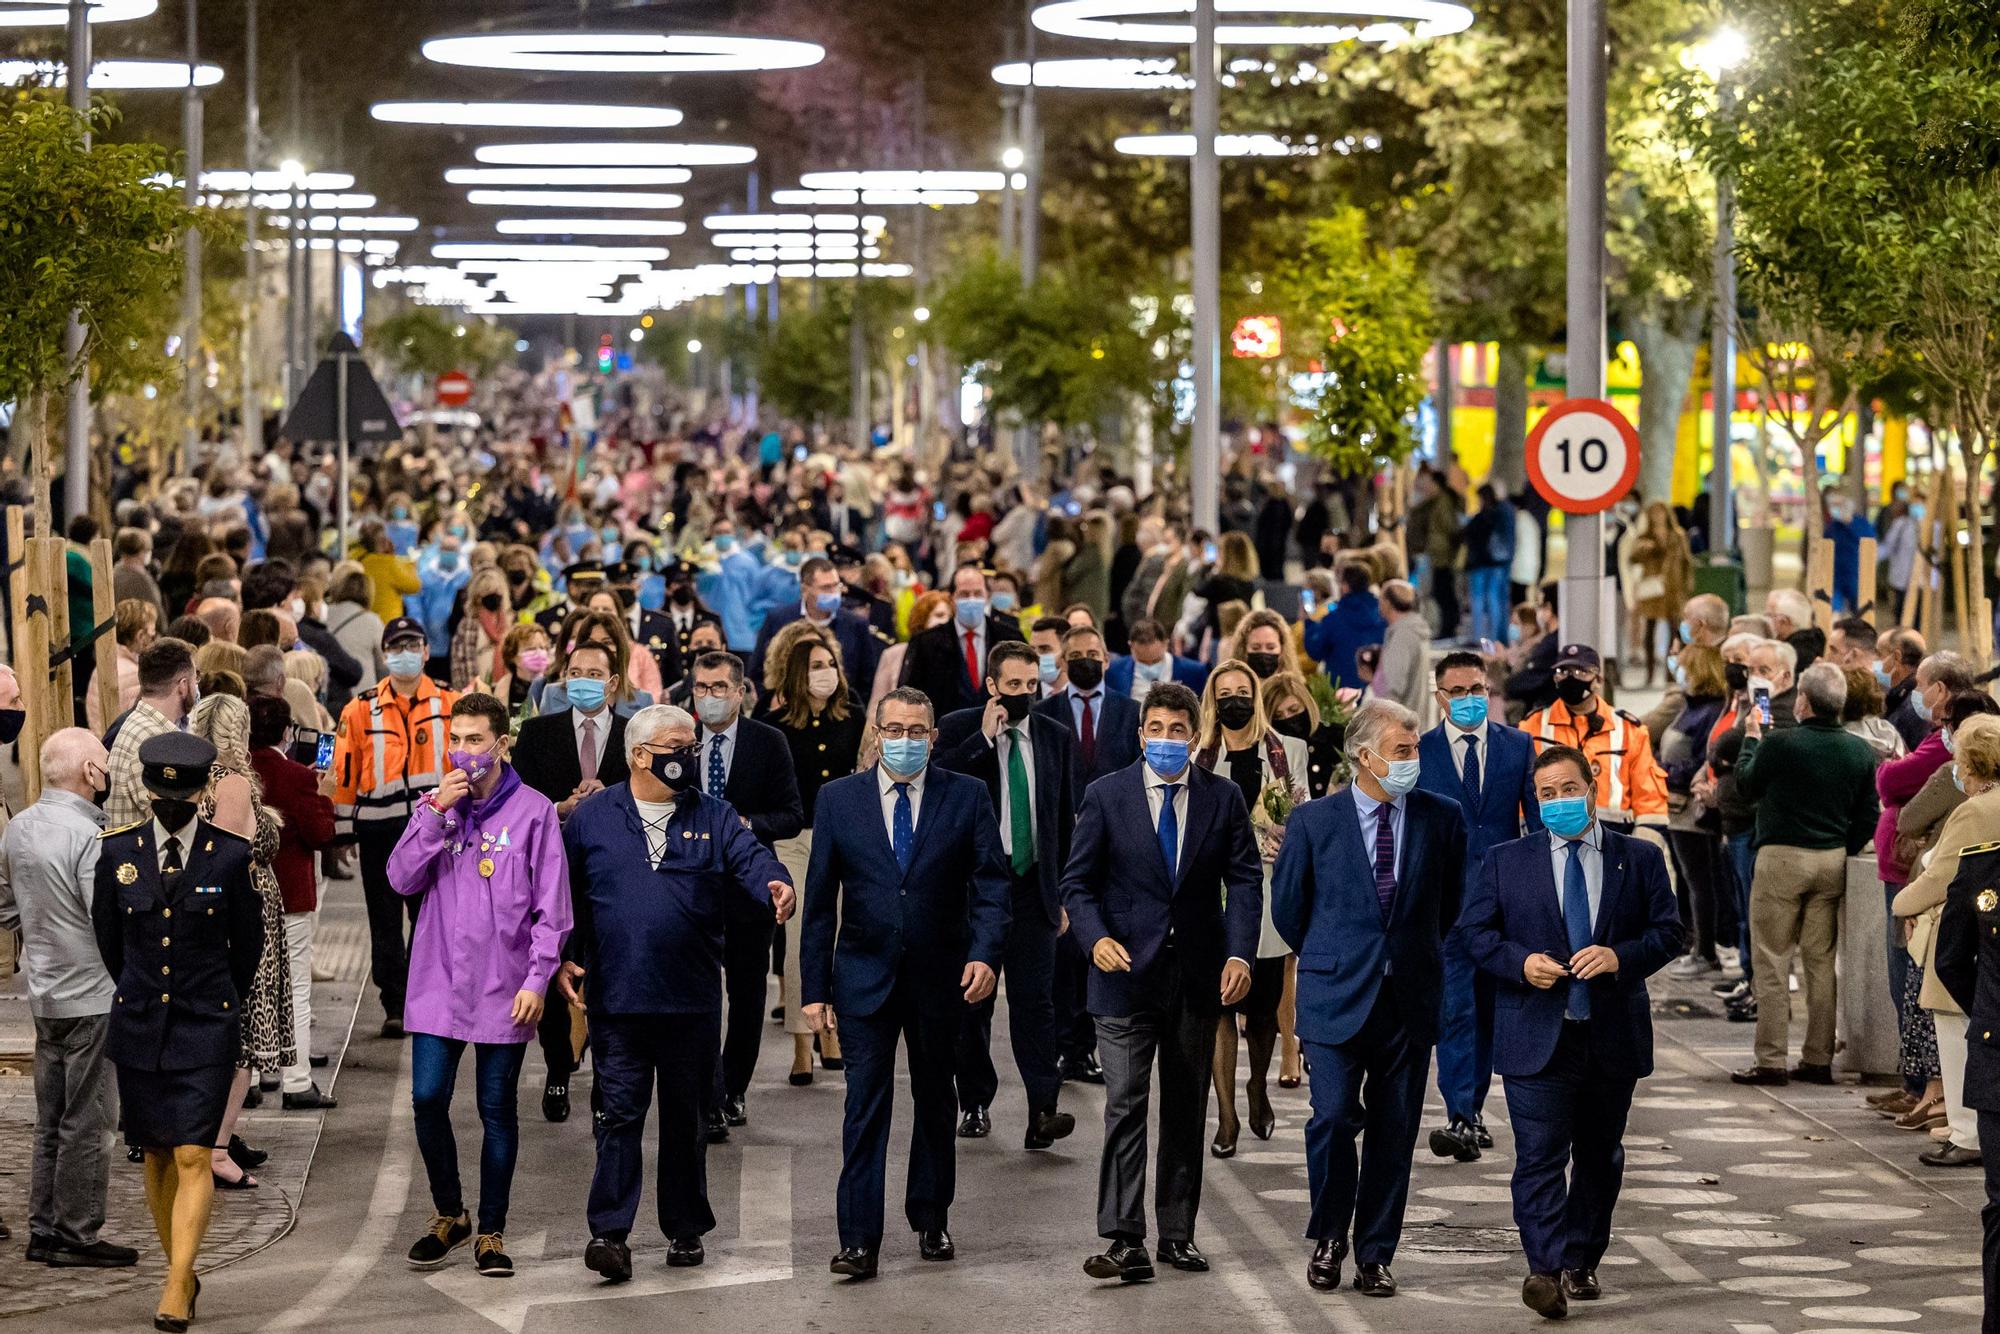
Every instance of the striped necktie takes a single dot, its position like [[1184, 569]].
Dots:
[[1385, 858]]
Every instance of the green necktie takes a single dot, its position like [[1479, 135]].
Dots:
[[1020, 823]]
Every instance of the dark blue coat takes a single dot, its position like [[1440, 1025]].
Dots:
[[925, 923], [1119, 675], [1516, 910], [1506, 787], [1324, 906], [1115, 726], [963, 748], [1116, 886], [650, 941], [1351, 624], [860, 646]]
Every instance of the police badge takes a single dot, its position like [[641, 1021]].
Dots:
[[1987, 900], [127, 873]]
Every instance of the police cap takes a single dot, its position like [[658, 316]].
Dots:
[[175, 764]]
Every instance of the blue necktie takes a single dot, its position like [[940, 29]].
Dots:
[[904, 829], [716, 780], [1576, 916], [1470, 776], [1385, 859], [1170, 832]]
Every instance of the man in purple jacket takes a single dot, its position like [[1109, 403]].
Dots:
[[486, 853]]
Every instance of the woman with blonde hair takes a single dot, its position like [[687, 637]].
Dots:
[[777, 661], [218, 656], [234, 801], [351, 619], [135, 625], [1234, 579], [1263, 639], [489, 614], [1237, 742]]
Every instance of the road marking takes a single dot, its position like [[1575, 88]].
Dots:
[[363, 1256], [764, 1197], [1753, 1329], [1260, 1307], [1664, 1258], [1288, 1250]]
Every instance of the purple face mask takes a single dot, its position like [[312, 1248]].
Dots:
[[476, 765]]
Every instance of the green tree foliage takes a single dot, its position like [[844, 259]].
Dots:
[[1363, 312], [429, 341], [804, 370]]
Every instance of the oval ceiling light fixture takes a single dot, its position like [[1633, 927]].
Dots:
[[1311, 22], [15, 15], [235, 182], [574, 198], [517, 251], [529, 115], [1110, 73], [613, 154], [110, 76], [815, 198], [1226, 145], [932, 198], [897, 179], [622, 52], [589, 227], [568, 176]]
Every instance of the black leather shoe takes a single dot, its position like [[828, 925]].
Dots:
[[1184, 1256], [734, 1112], [97, 1255], [311, 1100], [555, 1102], [975, 1124], [1458, 1141], [318, 1062], [855, 1262], [40, 1247], [1125, 1261], [244, 1156], [1582, 1284], [1374, 1281], [1084, 1069], [392, 1028], [610, 1260], [1480, 1134], [1812, 1074], [1323, 1270], [1742, 1012], [1944, 1155], [935, 1244], [717, 1130], [1045, 1128], [1543, 1294], [1772, 1075], [685, 1253]]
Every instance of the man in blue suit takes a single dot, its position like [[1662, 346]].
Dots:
[[820, 599], [1150, 663], [1104, 723], [1365, 889], [1483, 766], [1165, 893], [906, 868], [1571, 923]]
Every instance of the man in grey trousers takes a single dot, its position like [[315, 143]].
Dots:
[[48, 866]]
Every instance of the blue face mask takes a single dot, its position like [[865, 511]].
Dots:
[[1687, 633], [447, 560], [1950, 745], [1469, 711], [1566, 817], [405, 662], [1048, 668], [1921, 705], [1680, 674], [906, 755], [1957, 779], [586, 693], [971, 612], [725, 542], [1882, 676], [1165, 757], [827, 603], [1003, 600], [1402, 777], [794, 559]]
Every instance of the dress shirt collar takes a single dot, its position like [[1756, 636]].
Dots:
[[1155, 782], [184, 835], [885, 782], [728, 734], [1458, 735], [1593, 837], [1368, 806], [599, 722]]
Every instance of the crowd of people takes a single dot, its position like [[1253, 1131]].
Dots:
[[609, 740]]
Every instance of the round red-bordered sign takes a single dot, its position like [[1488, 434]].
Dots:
[[454, 389], [1583, 456]]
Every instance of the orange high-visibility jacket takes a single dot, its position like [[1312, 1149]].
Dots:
[[389, 751], [1630, 782]]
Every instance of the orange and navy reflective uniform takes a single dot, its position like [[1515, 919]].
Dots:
[[1630, 783], [389, 752]]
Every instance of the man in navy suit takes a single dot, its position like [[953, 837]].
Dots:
[[1024, 759], [948, 662], [1484, 767], [820, 601], [1165, 893], [1365, 890], [1149, 663], [906, 868], [1104, 722], [1571, 923]]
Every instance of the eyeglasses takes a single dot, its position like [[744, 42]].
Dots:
[[1462, 692], [713, 690], [893, 732], [1575, 673]]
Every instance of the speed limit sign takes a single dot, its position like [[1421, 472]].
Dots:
[[1583, 456]]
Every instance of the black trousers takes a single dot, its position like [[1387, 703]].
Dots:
[[746, 968], [1569, 1154], [1076, 1034], [1028, 968], [388, 943], [1183, 1042], [553, 1036], [928, 1025], [1989, 1218], [1369, 1088], [635, 1052]]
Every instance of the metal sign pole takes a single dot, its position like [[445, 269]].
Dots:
[[340, 433], [1583, 584]]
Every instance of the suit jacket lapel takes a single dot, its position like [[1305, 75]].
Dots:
[[1612, 859], [1360, 878], [870, 816], [928, 812], [1548, 890], [1201, 806], [1411, 849]]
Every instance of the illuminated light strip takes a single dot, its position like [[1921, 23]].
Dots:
[[898, 179], [623, 52], [514, 250], [1226, 145], [529, 115], [1384, 21], [546, 176], [589, 227], [110, 76], [613, 154], [574, 199], [57, 16], [1111, 73]]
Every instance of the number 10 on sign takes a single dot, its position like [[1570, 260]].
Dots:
[[1583, 456]]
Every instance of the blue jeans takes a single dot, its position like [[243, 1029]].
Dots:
[[1742, 861], [1488, 586], [433, 1074]]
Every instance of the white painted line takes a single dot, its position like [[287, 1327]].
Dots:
[[764, 1197], [1663, 1258], [1289, 1253]]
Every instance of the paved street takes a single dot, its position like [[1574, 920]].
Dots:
[[1743, 1212]]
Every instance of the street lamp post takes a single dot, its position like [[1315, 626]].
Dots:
[[1722, 361], [1205, 356], [76, 429], [253, 157], [1584, 585], [191, 368]]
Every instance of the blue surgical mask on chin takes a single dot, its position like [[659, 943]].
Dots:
[[1402, 777], [1468, 711], [827, 603], [1882, 676], [1166, 757], [1003, 601], [1687, 633], [1921, 705], [906, 755], [1566, 817]]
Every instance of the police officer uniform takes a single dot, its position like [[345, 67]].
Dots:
[[579, 582], [680, 622], [180, 926], [1967, 961], [652, 630]]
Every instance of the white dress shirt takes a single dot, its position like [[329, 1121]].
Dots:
[[1371, 810], [1592, 845], [184, 836], [1479, 742], [886, 782], [726, 738], [1016, 735], [599, 726], [1156, 793]]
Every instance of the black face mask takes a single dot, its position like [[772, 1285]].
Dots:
[[11, 721], [1573, 690], [1235, 711], [1017, 706], [1086, 673], [491, 602], [1264, 664], [674, 768], [1298, 725], [1736, 675], [173, 812], [683, 595]]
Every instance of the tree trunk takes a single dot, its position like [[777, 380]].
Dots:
[[1666, 365], [1973, 451], [38, 466], [1510, 418]]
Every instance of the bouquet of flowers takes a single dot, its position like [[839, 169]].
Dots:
[[1274, 808]]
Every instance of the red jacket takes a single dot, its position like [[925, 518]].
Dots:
[[292, 790]]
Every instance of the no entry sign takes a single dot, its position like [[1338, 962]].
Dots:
[[1583, 456], [454, 389]]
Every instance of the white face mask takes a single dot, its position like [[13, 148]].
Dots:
[[821, 682]]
